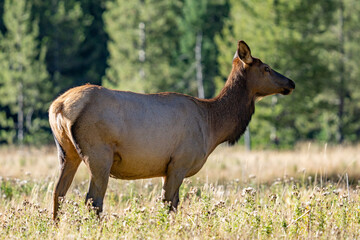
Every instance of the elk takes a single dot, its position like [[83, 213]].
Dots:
[[127, 135]]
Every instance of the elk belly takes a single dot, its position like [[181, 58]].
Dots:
[[136, 166]]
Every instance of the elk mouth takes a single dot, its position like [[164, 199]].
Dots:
[[289, 88], [285, 84], [286, 91]]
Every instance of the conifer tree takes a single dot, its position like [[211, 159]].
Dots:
[[292, 37], [62, 25], [24, 92], [123, 26], [200, 22]]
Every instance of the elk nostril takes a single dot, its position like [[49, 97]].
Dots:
[[291, 84]]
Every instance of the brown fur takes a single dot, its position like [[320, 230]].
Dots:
[[127, 135]]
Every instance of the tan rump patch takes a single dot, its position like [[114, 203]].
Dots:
[[58, 121]]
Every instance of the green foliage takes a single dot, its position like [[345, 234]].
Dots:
[[299, 39], [152, 44], [25, 89], [205, 18], [93, 51], [149, 46], [122, 22], [142, 44], [62, 27]]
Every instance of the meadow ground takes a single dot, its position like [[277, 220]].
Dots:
[[311, 192]]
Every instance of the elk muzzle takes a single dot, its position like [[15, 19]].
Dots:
[[285, 83]]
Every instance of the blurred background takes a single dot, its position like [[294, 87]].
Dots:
[[186, 46]]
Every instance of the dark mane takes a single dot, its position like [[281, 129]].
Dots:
[[243, 122], [234, 104], [244, 110]]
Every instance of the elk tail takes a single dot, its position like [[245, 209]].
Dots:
[[61, 126]]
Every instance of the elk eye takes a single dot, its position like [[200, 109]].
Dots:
[[267, 69]]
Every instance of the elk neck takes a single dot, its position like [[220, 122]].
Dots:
[[230, 112]]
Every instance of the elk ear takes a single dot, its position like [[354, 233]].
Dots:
[[244, 52]]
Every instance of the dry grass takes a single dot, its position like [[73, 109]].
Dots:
[[225, 164], [319, 162], [225, 200]]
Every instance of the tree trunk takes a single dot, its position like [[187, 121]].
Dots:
[[247, 139], [199, 74], [341, 89], [20, 115], [142, 55], [273, 135]]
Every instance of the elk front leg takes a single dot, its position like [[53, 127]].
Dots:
[[172, 183], [99, 162], [96, 193]]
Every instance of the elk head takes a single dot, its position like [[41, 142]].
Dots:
[[262, 80]]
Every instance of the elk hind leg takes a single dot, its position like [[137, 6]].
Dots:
[[69, 163]]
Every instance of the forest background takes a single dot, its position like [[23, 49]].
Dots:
[[187, 46]]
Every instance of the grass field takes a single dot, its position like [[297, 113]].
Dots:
[[311, 192]]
